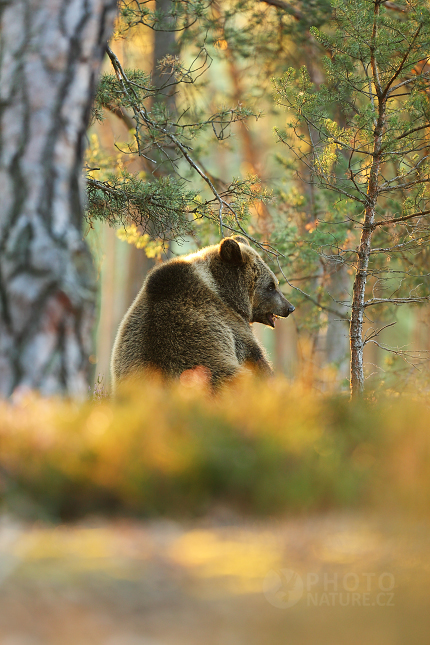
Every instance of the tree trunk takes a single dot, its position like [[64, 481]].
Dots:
[[50, 59], [359, 289], [165, 45]]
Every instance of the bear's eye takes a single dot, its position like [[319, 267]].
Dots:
[[271, 286]]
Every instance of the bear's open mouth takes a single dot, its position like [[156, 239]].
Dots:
[[271, 320]]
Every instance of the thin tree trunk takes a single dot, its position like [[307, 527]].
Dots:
[[363, 253], [165, 45], [51, 54]]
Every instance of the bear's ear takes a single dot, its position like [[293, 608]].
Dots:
[[230, 252], [240, 239]]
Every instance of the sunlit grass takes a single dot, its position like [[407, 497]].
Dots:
[[259, 447]]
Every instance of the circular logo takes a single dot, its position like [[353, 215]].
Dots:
[[283, 588]]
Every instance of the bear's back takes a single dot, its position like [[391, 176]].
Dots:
[[176, 322]]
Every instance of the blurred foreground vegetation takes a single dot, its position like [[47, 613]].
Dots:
[[259, 448]]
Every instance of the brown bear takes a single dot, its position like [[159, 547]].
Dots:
[[196, 311]]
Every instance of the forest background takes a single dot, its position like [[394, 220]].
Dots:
[[214, 70]]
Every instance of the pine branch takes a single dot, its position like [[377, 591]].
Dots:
[[395, 220], [395, 301]]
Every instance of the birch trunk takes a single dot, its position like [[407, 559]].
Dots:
[[51, 53]]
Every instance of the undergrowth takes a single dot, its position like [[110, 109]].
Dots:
[[261, 448]]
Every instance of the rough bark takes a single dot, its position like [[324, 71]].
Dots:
[[51, 53]]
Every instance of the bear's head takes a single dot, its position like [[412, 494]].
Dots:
[[256, 288]]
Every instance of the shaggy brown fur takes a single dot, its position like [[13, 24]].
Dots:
[[196, 311]]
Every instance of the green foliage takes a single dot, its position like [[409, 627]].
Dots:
[[157, 201], [164, 209], [401, 45], [111, 96], [160, 207], [376, 85]]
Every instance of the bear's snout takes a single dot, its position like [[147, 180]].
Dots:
[[281, 306], [287, 308]]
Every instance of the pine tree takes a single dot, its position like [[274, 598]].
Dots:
[[374, 158], [165, 203]]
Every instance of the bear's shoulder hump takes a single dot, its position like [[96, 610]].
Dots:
[[170, 280]]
